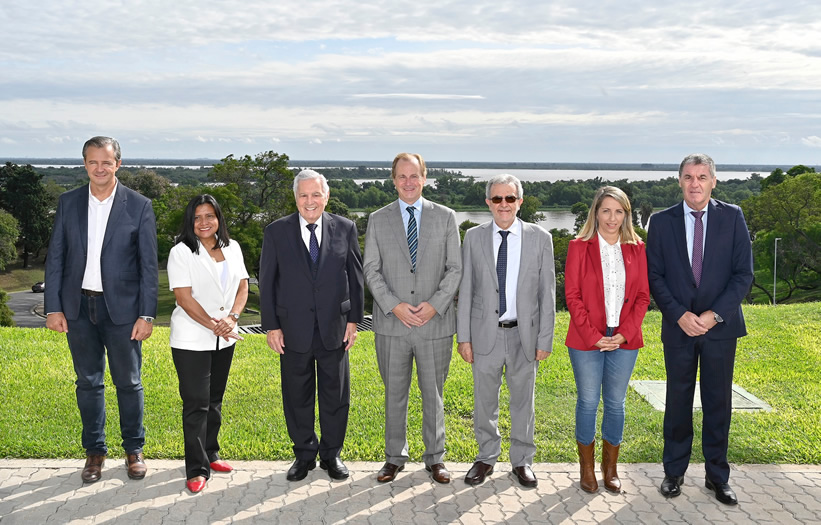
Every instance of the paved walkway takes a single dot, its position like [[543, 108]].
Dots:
[[34, 492]]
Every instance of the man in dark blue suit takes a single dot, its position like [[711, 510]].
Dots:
[[700, 266], [311, 297], [101, 290]]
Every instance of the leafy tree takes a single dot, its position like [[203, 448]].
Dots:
[[790, 210], [529, 211], [8, 239], [580, 210], [6, 315], [264, 185], [645, 210], [146, 182], [23, 194]]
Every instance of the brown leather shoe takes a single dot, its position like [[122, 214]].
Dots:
[[93, 468], [388, 472], [587, 467], [478, 472], [609, 459], [438, 472], [136, 465], [526, 476]]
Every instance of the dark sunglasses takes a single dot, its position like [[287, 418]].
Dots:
[[510, 199]]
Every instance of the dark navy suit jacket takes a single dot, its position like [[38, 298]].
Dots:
[[727, 271], [292, 298], [128, 261]]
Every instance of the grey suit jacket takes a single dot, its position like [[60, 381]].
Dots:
[[387, 268], [478, 315]]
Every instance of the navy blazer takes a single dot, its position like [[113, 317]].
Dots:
[[727, 270], [291, 298], [128, 261]]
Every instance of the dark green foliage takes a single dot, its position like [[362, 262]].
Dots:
[[23, 194], [6, 314]]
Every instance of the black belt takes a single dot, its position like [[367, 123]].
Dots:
[[91, 293], [508, 324]]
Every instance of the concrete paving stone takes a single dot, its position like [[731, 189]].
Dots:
[[471, 518]]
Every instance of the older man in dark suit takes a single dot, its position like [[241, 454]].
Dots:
[[101, 290], [312, 296], [700, 267]]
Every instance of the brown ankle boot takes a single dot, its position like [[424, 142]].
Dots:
[[609, 458], [587, 466]]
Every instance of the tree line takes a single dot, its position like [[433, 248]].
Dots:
[[255, 190]]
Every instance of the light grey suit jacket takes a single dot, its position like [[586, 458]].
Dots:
[[478, 316], [387, 268]]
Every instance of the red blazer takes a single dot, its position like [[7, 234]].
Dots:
[[584, 293]]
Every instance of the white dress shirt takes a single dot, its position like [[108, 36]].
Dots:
[[514, 257], [98, 213], [306, 233], [613, 276], [690, 228]]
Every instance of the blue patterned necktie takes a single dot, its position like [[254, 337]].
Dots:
[[698, 246], [413, 241], [313, 244], [501, 272]]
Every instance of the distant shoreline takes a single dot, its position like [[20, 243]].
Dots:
[[617, 166]]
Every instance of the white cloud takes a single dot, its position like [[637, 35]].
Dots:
[[813, 141]]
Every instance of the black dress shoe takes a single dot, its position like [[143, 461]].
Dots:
[[388, 472], [724, 493], [336, 469], [300, 469], [438, 472], [671, 486], [478, 472], [525, 476]]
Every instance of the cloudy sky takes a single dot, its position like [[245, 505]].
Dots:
[[457, 80]]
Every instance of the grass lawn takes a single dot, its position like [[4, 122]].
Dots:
[[780, 362]]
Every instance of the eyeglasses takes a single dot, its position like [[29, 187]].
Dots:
[[510, 199]]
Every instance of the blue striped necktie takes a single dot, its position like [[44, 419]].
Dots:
[[413, 241]]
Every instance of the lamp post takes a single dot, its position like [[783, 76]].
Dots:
[[775, 265]]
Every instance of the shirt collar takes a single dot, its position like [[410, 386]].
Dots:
[[417, 205], [515, 228], [688, 210], [303, 223], [108, 199], [603, 241]]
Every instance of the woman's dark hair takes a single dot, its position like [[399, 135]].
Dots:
[[187, 233]]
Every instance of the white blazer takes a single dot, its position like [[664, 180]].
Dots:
[[199, 271]]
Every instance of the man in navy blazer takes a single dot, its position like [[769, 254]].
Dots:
[[311, 296], [699, 274], [101, 290]]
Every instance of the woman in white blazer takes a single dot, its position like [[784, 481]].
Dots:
[[210, 283]]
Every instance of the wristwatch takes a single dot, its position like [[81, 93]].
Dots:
[[235, 316], [147, 319], [717, 318]]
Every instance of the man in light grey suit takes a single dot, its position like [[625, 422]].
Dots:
[[507, 309], [412, 266]]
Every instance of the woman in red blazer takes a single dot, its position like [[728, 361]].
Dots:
[[607, 295]]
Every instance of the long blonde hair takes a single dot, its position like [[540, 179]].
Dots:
[[591, 226]]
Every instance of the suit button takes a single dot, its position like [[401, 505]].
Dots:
[[496, 311], [222, 308], [412, 292]]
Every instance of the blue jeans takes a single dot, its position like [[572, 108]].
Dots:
[[89, 336], [601, 375]]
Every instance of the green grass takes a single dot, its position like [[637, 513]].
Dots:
[[780, 362]]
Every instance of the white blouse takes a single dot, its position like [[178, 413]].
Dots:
[[612, 266]]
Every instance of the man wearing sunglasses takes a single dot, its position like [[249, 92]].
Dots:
[[505, 318]]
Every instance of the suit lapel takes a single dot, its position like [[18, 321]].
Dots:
[[205, 261], [526, 257], [82, 217], [680, 236], [328, 231], [297, 246], [487, 250], [117, 209], [594, 259], [398, 229], [714, 219]]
